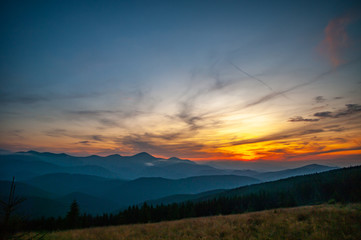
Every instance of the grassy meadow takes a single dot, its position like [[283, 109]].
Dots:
[[309, 222]]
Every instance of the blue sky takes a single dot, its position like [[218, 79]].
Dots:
[[184, 78]]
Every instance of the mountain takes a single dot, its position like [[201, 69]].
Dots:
[[308, 169], [143, 189], [339, 184], [68, 183], [97, 195], [25, 165], [126, 193], [24, 190], [28, 166]]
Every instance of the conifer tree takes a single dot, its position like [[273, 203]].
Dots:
[[73, 216]]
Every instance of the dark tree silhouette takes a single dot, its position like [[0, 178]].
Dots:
[[8, 226], [73, 216]]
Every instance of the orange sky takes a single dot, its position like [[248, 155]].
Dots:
[[204, 88]]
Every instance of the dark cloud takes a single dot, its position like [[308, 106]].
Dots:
[[331, 126], [301, 119], [323, 114], [84, 142], [29, 99], [58, 132], [187, 115], [311, 131], [341, 129], [36, 98], [98, 138], [278, 151], [339, 140], [165, 136], [108, 122], [319, 99], [349, 110]]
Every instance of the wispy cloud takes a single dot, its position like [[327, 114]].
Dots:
[[337, 38], [28, 98], [106, 118], [284, 135], [146, 142], [315, 153], [251, 76]]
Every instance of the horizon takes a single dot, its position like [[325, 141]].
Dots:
[[229, 81], [226, 164]]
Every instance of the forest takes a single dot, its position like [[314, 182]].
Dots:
[[336, 186]]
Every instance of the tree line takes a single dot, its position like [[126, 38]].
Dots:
[[334, 186]]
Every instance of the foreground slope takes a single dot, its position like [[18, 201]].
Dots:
[[311, 222]]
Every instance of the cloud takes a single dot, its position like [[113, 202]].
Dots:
[[298, 132], [326, 151], [349, 110], [301, 119], [36, 98], [251, 76], [139, 143], [319, 99], [57, 132], [28, 99], [313, 80], [336, 38], [108, 122], [323, 114], [165, 136], [106, 118], [98, 138]]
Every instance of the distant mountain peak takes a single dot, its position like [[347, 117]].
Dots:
[[114, 155], [143, 154], [45, 153], [31, 152]]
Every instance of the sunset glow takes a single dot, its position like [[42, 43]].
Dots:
[[218, 82]]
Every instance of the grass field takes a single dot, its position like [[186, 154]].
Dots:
[[310, 222]]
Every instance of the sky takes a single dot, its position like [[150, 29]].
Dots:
[[202, 80]]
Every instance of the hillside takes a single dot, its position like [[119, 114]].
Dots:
[[339, 184], [332, 222]]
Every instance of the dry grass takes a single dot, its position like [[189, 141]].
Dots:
[[311, 222]]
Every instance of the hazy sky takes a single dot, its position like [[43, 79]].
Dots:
[[271, 80]]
